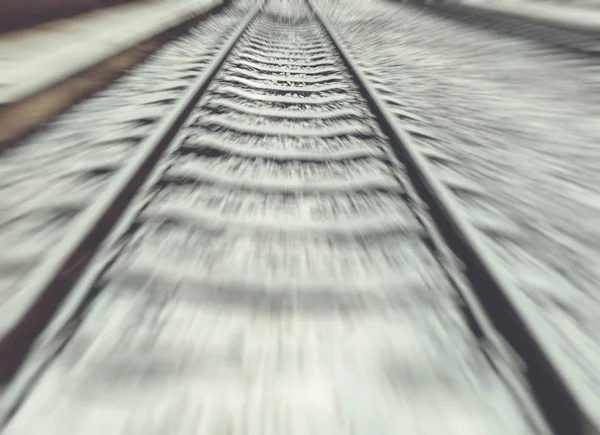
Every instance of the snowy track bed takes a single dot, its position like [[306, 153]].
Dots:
[[516, 121], [276, 274]]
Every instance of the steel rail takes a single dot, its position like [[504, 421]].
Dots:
[[54, 279], [566, 402]]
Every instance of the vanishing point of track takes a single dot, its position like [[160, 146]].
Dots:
[[280, 183]]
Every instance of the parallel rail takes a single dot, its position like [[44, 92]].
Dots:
[[584, 38], [504, 304], [194, 150], [15, 14], [55, 277]]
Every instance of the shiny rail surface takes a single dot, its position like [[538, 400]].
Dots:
[[278, 260]]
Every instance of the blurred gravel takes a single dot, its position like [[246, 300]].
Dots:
[[521, 118], [52, 176]]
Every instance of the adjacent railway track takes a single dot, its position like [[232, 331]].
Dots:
[[583, 40], [279, 227]]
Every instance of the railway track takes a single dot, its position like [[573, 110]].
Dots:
[[278, 234], [48, 179]]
